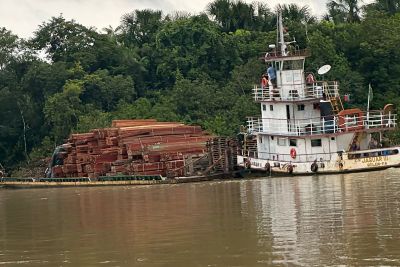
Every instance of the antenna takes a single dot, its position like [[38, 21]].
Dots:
[[324, 69]]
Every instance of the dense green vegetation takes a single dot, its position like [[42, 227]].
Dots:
[[198, 69]]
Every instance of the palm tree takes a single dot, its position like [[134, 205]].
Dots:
[[220, 10], [140, 26], [243, 15], [233, 15], [265, 19], [344, 10], [295, 13], [389, 6]]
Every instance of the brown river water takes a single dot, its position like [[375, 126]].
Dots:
[[333, 220]]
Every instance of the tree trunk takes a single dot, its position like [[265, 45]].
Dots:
[[24, 124]]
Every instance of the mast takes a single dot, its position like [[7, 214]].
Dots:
[[281, 36]]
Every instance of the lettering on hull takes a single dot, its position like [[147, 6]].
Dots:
[[376, 161]]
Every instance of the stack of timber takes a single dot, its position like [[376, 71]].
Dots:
[[139, 147]]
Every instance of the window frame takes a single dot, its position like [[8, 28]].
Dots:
[[319, 142]]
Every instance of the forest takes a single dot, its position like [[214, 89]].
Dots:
[[198, 69]]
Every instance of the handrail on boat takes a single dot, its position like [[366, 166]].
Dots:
[[271, 56], [303, 91], [320, 157], [322, 125]]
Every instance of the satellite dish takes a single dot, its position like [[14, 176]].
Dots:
[[324, 69]]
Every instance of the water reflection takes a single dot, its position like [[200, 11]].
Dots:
[[328, 220], [299, 221]]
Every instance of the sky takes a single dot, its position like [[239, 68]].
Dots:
[[23, 17]]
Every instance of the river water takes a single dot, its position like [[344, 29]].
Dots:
[[348, 220]]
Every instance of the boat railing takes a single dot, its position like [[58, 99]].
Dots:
[[281, 157], [319, 89], [274, 55], [377, 152], [321, 125], [320, 157]]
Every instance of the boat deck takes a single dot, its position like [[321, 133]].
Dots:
[[12, 182]]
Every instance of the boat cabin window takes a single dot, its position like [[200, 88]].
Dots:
[[271, 107], [281, 141], [292, 142], [293, 64], [264, 107], [316, 142], [300, 107]]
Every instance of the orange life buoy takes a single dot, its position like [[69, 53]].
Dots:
[[264, 82], [293, 153]]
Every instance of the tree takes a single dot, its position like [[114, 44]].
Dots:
[[344, 11], [92, 119], [193, 46], [64, 40], [42, 80], [380, 56], [140, 109], [220, 10], [296, 20], [264, 19], [140, 26], [389, 6], [105, 91], [294, 13], [62, 110], [8, 47]]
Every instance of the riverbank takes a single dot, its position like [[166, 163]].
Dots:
[[33, 169]]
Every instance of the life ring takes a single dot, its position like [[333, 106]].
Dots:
[[264, 82], [267, 166], [314, 167], [247, 164], [293, 153], [290, 169]]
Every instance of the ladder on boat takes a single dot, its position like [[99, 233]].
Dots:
[[356, 140], [334, 99]]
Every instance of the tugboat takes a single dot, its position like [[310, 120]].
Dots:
[[304, 128]]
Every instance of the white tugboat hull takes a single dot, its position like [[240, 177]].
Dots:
[[365, 160]]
